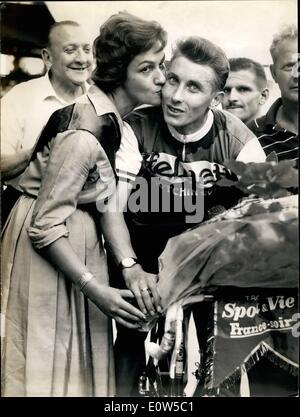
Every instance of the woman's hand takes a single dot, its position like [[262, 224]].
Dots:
[[143, 286], [112, 302]]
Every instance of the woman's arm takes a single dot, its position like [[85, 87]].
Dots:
[[128, 164], [72, 155], [138, 281], [110, 300]]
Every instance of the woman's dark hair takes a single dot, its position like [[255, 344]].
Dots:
[[121, 38], [204, 52]]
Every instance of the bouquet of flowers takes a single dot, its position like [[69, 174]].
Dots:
[[253, 244]]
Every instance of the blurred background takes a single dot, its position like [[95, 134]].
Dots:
[[240, 27]]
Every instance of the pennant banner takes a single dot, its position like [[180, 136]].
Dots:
[[247, 328]]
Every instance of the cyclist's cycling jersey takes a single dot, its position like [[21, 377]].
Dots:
[[184, 165]]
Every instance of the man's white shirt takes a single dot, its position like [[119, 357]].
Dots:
[[25, 110]]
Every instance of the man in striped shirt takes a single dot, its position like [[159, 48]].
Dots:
[[277, 131]]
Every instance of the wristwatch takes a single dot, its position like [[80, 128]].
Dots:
[[128, 263]]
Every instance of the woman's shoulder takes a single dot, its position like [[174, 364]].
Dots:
[[77, 116], [84, 117]]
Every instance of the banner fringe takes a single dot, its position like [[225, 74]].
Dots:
[[276, 360], [261, 351]]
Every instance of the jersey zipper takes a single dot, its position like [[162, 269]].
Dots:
[[183, 150]]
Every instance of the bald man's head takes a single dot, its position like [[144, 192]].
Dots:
[[68, 54]]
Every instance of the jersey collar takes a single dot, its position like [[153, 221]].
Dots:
[[199, 134]]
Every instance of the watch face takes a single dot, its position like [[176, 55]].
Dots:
[[128, 262]]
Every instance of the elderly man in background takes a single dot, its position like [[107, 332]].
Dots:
[[277, 131], [246, 89], [27, 107]]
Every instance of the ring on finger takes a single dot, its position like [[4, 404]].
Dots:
[[147, 290]]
